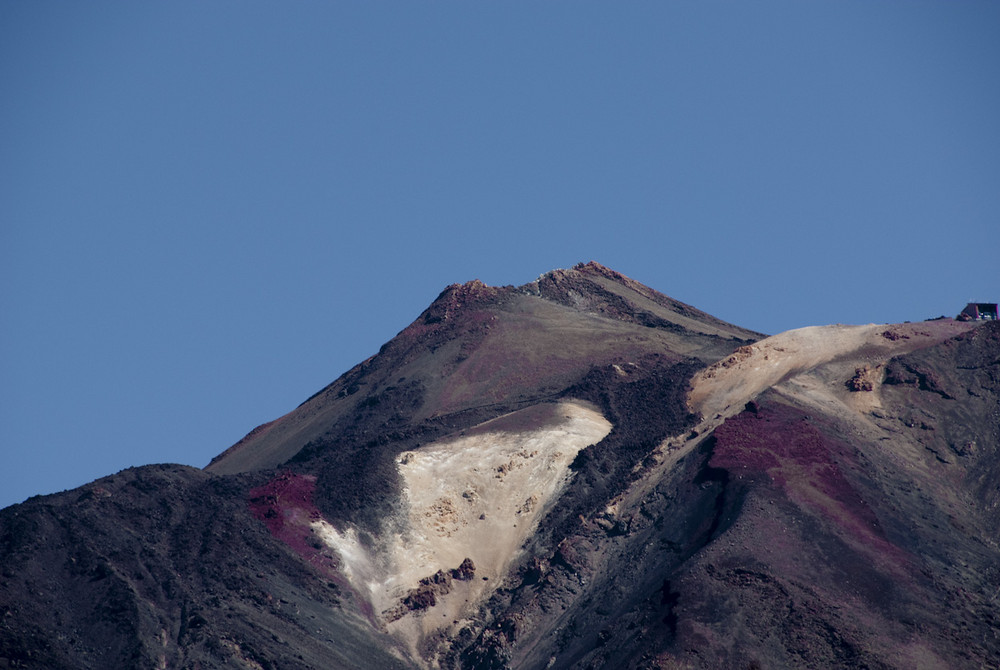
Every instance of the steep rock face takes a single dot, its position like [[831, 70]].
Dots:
[[577, 472]]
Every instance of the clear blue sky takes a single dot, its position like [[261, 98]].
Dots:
[[208, 211]]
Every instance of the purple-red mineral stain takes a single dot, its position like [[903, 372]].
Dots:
[[285, 505], [801, 460]]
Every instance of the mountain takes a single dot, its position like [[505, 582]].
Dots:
[[579, 472]]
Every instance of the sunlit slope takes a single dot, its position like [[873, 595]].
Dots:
[[724, 388]]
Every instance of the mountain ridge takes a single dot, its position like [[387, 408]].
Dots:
[[575, 472]]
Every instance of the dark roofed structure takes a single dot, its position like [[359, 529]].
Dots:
[[979, 311]]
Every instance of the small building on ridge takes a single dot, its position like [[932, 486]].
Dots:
[[979, 311]]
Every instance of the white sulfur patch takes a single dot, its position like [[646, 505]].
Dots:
[[479, 496], [476, 496], [356, 561]]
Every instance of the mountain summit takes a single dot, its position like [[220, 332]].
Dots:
[[575, 472], [484, 350]]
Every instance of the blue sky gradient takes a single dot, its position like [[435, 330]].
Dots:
[[208, 211]]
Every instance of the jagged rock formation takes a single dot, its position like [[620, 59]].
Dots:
[[577, 472]]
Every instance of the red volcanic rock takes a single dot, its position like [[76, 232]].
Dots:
[[426, 594], [862, 379], [421, 598], [805, 463], [285, 505], [893, 335]]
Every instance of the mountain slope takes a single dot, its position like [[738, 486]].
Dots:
[[819, 525], [577, 472], [478, 346], [476, 353]]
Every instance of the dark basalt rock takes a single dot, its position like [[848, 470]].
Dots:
[[465, 571]]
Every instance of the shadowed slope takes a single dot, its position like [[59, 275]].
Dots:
[[164, 567]]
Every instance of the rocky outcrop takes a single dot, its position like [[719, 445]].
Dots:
[[865, 378]]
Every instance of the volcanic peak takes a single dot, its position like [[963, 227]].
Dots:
[[577, 472], [489, 350], [458, 296]]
